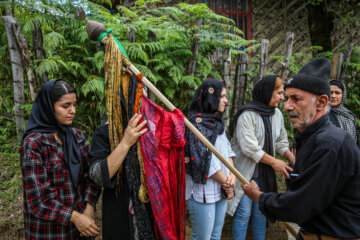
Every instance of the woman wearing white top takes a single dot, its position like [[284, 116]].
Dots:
[[259, 131], [209, 184]]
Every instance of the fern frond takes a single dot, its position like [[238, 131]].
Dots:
[[147, 72], [135, 52], [75, 68], [53, 40], [39, 20], [94, 84], [98, 60], [48, 65]]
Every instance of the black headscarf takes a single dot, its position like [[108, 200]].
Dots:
[[341, 116], [42, 119], [262, 94], [204, 116]]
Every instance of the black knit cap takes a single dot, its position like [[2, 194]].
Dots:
[[313, 77]]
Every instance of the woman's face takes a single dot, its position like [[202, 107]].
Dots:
[[336, 95], [277, 96], [223, 101], [65, 109]]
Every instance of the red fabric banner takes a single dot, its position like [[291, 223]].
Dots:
[[162, 148]]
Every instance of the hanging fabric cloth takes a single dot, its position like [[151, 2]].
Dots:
[[162, 148]]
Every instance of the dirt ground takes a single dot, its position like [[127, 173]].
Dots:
[[274, 231]]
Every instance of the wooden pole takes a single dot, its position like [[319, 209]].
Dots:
[[263, 58], [226, 77], [191, 127], [336, 63], [17, 72], [285, 69], [347, 56], [239, 92]]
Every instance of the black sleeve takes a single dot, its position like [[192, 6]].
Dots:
[[99, 151], [310, 193]]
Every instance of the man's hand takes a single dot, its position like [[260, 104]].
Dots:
[[252, 190], [281, 168], [133, 130]]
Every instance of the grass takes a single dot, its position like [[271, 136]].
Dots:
[[11, 200]]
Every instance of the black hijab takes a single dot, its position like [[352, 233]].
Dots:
[[262, 94], [204, 116], [42, 119], [341, 116]]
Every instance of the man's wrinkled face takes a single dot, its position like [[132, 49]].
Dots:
[[301, 107]]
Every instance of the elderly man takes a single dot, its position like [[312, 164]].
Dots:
[[323, 195]]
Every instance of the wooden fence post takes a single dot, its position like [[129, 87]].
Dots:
[[263, 58], [347, 56], [240, 82], [17, 73], [285, 68], [26, 57], [226, 77], [336, 63], [37, 39]]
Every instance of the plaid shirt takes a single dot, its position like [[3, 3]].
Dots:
[[49, 194]]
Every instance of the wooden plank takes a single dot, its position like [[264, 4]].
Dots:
[[280, 13], [292, 29], [347, 56], [264, 15], [343, 42], [263, 58], [291, 16], [17, 71], [336, 63], [285, 68], [240, 82], [226, 77], [257, 9]]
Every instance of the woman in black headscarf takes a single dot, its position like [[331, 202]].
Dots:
[[209, 184], [258, 130], [339, 115], [59, 197]]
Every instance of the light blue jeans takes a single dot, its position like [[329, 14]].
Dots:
[[241, 218], [207, 219]]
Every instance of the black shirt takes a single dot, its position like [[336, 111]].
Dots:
[[325, 196], [115, 199]]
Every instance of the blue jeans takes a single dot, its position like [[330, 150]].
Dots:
[[207, 219], [241, 218]]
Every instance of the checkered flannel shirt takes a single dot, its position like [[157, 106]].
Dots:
[[50, 197]]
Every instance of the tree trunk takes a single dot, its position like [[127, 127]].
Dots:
[[285, 68], [193, 59], [263, 58], [37, 38], [321, 25], [17, 73], [226, 76], [26, 56], [239, 93]]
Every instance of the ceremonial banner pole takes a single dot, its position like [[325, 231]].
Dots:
[[99, 33], [195, 131]]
